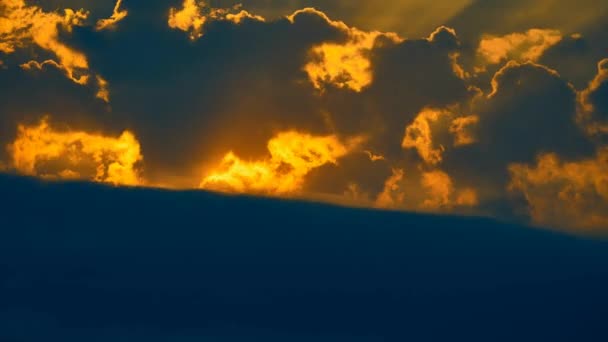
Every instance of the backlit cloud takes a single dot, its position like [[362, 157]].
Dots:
[[463, 118], [593, 112], [526, 46], [292, 156], [43, 151], [565, 194], [117, 15], [21, 25], [344, 65], [419, 135], [194, 15], [462, 128]]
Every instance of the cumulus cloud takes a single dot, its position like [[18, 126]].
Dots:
[[218, 98], [461, 127], [110, 23], [23, 25], [526, 46], [418, 135], [193, 15], [392, 196], [292, 156], [344, 65], [566, 194], [44, 151], [593, 112]]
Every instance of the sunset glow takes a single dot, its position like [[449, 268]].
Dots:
[[452, 107]]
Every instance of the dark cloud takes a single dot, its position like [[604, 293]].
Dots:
[[532, 111], [232, 89], [407, 77], [598, 97], [190, 101]]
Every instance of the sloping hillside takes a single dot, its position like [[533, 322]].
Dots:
[[85, 262]]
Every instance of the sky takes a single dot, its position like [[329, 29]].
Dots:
[[487, 107]]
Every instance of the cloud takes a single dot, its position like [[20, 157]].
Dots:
[[189, 18], [110, 23], [428, 133], [409, 76], [193, 16], [22, 25], [593, 111], [193, 81], [566, 194], [43, 151], [392, 196], [431, 191], [292, 156], [418, 135], [522, 47], [531, 109], [344, 65], [461, 128], [503, 17], [438, 186]]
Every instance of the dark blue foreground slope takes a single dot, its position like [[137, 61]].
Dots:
[[82, 262]]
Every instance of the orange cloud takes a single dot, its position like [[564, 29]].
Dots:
[[565, 194], [439, 187], [419, 135], [435, 193], [392, 196], [510, 65], [344, 65], [193, 16], [374, 157], [189, 18], [237, 18], [103, 92], [22, 25], [441, 193], [292, 156], [467, 198], [40, 150], [461, 128], [527, 46], [110, 23], [586, 112]]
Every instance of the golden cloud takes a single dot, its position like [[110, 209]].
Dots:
[[510, 65], [292, 156], [392, 196], [419, 136], [189, 18], [40, 150], [565, 194], [461, 127], [442, 195], [586, 111], [237, 18], [22, 25], [344, 65], [110, 23], [439, 187], [522, 47], [193, 16], [434, 193]]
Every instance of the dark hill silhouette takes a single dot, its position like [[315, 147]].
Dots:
[[86, 262]]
